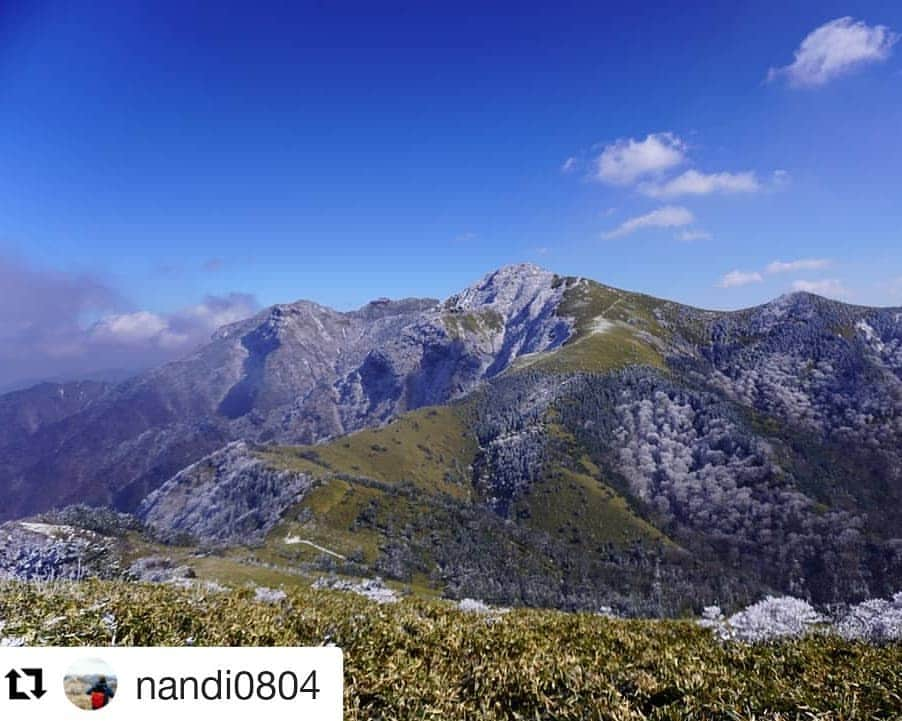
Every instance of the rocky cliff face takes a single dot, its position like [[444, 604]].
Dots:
[[229, 497], [294, 373]]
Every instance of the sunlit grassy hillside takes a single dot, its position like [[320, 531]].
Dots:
[[422, 659]]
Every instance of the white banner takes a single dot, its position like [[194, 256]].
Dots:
[[171, 684]]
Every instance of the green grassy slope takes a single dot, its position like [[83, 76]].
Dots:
[[612, 329], [410, 482], [577, 508], [371, 481], [429, 448]]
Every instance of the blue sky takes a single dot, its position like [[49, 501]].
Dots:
[[174, 158]]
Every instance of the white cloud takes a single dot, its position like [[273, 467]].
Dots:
[[45, 329], [692, 234], [218, 311], [828, 287], [669, 216], [129, 328], [692, 182], [627, 160], [792, 266], [738, 278], [161, 337], [188, 327], [836, 48], [569, 165]]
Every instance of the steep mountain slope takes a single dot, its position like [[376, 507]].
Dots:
[[828, 377], [534, 439], [25, 412], [626, 489], [293, 373], [653, 460]]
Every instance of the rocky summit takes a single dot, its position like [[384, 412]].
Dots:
[[297, 373]]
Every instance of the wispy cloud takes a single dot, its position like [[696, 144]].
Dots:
[[780, 179], [693, 234], [739, 278], [135, 328], [792, 266], [668, 216], [569, 165], [836, 48], [693, 182], [830, 287], [627, 160]]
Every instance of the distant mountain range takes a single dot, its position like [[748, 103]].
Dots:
[[534, 438], [111, 376]]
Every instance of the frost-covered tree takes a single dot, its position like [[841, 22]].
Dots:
[[772, 618], [875, 621]]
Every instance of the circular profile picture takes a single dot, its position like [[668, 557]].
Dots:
[[90, 684]]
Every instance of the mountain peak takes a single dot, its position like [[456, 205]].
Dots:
[[519, 268], [508, 288], [515, 273]]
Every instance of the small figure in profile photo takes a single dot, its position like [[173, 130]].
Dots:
[[90, 684], [100, 693]]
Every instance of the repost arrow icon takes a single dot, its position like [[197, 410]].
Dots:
[[38, 675], [37, 691], [14, 693]]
